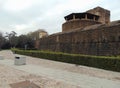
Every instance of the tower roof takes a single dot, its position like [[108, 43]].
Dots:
[[79, 15]]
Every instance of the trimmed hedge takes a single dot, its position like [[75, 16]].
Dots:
[[103, 62]]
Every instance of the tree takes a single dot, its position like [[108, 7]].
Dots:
[[12, 38], [1, 40], [25, 41], [4, 43]]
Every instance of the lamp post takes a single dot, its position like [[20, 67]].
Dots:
[[25, 46]]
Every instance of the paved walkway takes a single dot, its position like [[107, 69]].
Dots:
[[82, 80]]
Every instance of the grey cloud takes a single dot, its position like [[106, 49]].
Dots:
[[47, 15]]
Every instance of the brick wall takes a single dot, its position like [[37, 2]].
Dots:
[[105, 40], [103, 13], [74, 24]]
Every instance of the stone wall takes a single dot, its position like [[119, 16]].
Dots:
[[103, 13], [74, 24], [103, 40]]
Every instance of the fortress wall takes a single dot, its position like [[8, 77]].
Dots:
[[103, 13], [74, 24], [101, 41]]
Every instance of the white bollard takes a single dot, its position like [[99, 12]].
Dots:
[[1, 57], [19, 60]]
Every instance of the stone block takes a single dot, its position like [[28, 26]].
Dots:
[[1, 57], [20, 60]]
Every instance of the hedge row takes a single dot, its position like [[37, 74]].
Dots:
[[103, 62]]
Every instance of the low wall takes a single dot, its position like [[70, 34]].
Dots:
[[104, 40]]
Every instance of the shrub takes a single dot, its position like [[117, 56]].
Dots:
[[103, 62]]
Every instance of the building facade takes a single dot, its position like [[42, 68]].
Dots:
[[97, 15], [89, 33]]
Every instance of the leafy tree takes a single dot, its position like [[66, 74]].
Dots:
[[1, 40], [25, 41], [12, 38], [4, 43]]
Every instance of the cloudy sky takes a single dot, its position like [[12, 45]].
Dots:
[[23, 16]]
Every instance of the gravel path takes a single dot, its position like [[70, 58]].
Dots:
[[57, 74]]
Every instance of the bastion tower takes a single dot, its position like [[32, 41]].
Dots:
[[93, 16]]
